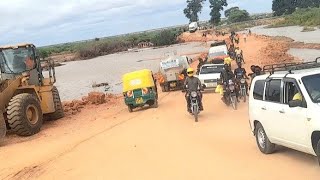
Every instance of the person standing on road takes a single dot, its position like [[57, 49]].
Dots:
[[245, 37]]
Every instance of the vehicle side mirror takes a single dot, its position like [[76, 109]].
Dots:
[[295, 103]]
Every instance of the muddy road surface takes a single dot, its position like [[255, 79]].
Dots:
[[108, 142], [163, 143]]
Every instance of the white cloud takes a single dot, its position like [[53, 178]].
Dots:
[[53, 21]]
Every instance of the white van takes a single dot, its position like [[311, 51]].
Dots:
[[284, 107], [193, 27], [209, 75]]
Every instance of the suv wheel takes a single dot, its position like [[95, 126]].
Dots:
[[318, 152], [263, 141]]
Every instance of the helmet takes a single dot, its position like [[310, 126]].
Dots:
[[253, 67], [190, 72]]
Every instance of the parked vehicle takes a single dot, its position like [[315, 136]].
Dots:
[[193, 27], [27, 96], [140, 89], [284, 107], [209, 75], [172, 73]]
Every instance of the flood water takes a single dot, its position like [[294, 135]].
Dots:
[[305, 54], [75, 79], [293, 32]]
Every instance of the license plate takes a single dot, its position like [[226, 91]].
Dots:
[[139, 100], [211, 84], [173, 84]]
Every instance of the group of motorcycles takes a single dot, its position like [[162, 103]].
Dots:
[[233, 89]]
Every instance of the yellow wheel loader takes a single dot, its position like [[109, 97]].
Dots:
[[26, 95]]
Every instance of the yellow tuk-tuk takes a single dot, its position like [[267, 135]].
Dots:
[[140, 89]]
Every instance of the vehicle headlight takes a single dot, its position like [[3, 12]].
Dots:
[[242, 81], [194, 94], [231, 87]]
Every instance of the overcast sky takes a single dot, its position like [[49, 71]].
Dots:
[[45, 22]]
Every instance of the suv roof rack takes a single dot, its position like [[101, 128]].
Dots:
[[218, 43], [291, 66]]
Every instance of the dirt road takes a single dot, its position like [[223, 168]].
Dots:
[[107, 142]]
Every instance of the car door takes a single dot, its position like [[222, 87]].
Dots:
[[293, 122], [271, 107]]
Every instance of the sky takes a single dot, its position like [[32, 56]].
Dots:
[[46, 22]]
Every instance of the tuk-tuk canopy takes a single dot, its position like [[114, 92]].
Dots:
[[137, 80]]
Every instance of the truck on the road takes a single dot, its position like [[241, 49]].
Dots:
[[218, 50], [193, 27], [172, 72]]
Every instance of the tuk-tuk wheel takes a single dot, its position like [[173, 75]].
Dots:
[[155, 104], [130, 109], [163, 89], [166, 88]]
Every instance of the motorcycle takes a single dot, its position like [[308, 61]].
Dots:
[[232, 97], [243, 89], [239, 59], [195, 110], [194, 103]]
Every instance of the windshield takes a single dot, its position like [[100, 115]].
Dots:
[[221, 53], [211, 69], [312, 84], [16, 61]]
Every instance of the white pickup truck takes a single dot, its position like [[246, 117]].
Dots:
[[209, 75]]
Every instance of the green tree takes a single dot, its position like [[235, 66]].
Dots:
[[281, 7], [192, 10], [238, 16], [228, 11], [165, 37], [42, 53], [216, 6]]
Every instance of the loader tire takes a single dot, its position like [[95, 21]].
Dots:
[[3, 127], [59, 113], [24, 115]]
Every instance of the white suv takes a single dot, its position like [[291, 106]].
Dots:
[[284, 107], [209, 75]]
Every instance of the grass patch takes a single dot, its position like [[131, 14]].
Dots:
[[308, 29], [308, 17]]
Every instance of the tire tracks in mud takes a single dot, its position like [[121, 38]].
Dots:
[[34, 171]]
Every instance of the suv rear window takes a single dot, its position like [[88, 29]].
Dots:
[[211, 69], [273, 91], [258, 90]]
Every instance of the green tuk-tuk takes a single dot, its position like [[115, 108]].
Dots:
[[140, 89]]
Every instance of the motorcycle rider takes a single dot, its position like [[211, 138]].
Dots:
[[192, 84], [240, 73], [200, 64], [239, 55], [225, 76]]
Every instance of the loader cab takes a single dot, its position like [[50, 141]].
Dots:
[[20, 60]]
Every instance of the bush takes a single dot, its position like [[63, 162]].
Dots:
[[238, 16], [165, 37], [302, 17]]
